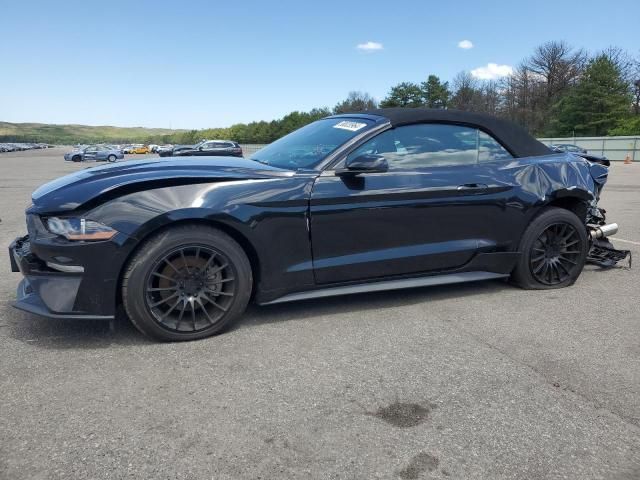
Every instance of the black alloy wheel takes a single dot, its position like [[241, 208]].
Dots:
[[553, 250], [555, 254], [186, 282], [190, 288]]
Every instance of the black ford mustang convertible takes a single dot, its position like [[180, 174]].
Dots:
[[389, 199]]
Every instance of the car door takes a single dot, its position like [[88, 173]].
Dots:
[[206, 149], [101, 153], [432, 211], [221, 148], [90, 153], [226, 148], [217, 149]]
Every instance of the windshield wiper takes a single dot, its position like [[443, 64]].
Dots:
[[263, 162]]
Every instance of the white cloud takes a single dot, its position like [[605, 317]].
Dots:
[[369, 46], [465, 44], [492, 71]]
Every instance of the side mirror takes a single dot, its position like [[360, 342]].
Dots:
[[367, 163], [201, 148]]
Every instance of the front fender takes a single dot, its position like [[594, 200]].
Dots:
[[270, 215]]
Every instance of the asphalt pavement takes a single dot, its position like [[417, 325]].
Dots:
[[472, 381]]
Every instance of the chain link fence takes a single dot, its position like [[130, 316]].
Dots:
[[248, 149]]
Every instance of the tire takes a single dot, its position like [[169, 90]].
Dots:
[[111, 158], [167, 286], [553, 251], [76, 158]]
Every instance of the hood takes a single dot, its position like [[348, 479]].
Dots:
[[72, 191]]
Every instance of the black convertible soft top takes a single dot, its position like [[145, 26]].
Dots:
[[513, 137]]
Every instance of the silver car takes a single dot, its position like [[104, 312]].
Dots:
[[99, 153]]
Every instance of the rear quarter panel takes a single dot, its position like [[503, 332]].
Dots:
[[538, 182]]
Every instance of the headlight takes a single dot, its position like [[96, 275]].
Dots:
[[79, 229]]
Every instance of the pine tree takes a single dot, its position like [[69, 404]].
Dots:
[[436, 94], [596, 104], [405, 94]]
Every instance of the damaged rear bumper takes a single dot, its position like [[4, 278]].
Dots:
[[602, 251]]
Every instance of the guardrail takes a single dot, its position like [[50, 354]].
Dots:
[[614, 148]]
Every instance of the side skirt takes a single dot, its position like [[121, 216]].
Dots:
[[389, 285]]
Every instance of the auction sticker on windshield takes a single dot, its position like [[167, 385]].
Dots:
[[351, 126]]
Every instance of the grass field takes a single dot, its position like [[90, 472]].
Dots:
[[70, 134]]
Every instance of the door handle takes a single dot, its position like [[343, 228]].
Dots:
[[472, 188]]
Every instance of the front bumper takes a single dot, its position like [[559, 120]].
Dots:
[[44, 291]]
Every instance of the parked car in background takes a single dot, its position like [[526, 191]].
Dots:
[[213, 148], [114, 147], [394, 198], [139, 149], [567, 147], [170, 152], [94, 152], [575, 149], [19, 147], [126, 148], [162, 150], [7, 147]]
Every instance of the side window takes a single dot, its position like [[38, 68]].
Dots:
[[489, 150], [424, 145]]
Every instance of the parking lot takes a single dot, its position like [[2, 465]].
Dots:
[[466, 381]]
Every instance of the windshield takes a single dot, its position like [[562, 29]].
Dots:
[[309, 145]]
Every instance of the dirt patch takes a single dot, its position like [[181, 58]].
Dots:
[[404, 415], [422, 462]]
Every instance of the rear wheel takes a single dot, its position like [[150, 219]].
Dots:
[[186, 283], [553, 251], [111, 158]]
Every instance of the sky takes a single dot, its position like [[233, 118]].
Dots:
[[201, 64]]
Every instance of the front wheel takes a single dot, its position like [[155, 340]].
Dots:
[[186, 283], [111, 158], [553, 251]]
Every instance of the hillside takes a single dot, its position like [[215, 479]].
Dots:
[[70, 134]]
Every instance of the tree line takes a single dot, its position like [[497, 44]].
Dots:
[[556, 91]]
